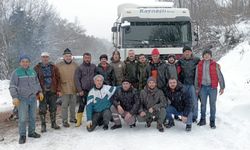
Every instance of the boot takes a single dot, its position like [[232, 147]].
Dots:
[[212, 125], [79, 119], [202, 122], [105, 127], [73, 121], [148, 122], [116, 127], [133, 125], [66, 124], [53, 121], [188, 127], [34, 135], [43, 120], [160, 127], [170, 124], [22, 139]]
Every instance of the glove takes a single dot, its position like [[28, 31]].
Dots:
[[89, 124], [40, 96], [16, 102]]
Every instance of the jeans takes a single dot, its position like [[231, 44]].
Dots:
[[26, 108], [191, 90], [205, 92], [172, 111]]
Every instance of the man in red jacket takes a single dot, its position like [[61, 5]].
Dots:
[[208, 75]]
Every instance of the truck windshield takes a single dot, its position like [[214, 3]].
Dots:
[[157, 34]]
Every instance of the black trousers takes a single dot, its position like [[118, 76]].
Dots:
[[82, 101], [49, 102], [100, 118]]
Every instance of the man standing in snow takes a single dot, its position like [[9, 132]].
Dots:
[[172, 67], [84, 83], [153, 105], [25, 89], [106, 70], [141, 71], [126, 103], [208, 75], [131, 69], [49, 78], [180, 104], [157, 69], [186, 69], [98, 104], [67, 69], [119, 67]]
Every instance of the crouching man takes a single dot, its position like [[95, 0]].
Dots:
[[126, 103], [153, 104], [24, 88], [98, 104], [181, 104]]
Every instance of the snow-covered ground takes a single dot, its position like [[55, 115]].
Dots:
[[5, 98], [232, 133]]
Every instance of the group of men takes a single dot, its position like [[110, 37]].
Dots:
[[135, 90]]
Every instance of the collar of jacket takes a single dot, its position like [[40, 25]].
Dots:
[[142, 64], [86, 64], [129, 90], [178, 87], [128, 60], [160, 62], [43, 65], [67, 62], [151, 91], [100, 65], [98, 88]]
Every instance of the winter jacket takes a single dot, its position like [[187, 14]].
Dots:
[[129, 100], [180, 99], [162, 73], [119, 68], [98, 100], [24, 83], [172, 70], [108, 74], [131, 70], [186, 70], [152, 99], [55, 77], [67, 74], [209, 73], [84, 77], [142, 75]]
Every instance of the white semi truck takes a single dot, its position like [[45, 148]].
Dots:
[[159, 25]]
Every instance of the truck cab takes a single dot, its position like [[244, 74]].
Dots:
[[144, 27]]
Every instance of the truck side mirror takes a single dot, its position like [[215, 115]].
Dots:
[[114, 29]]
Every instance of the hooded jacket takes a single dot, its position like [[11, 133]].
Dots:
[[152, 98]]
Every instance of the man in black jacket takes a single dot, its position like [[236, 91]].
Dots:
[[186, 67], [84, 83], [181, 104], [131, 68], [106, 70], [126, 103]]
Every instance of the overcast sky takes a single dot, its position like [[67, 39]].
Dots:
[[97, 17]]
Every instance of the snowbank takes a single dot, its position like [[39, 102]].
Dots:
[[5, 98]]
